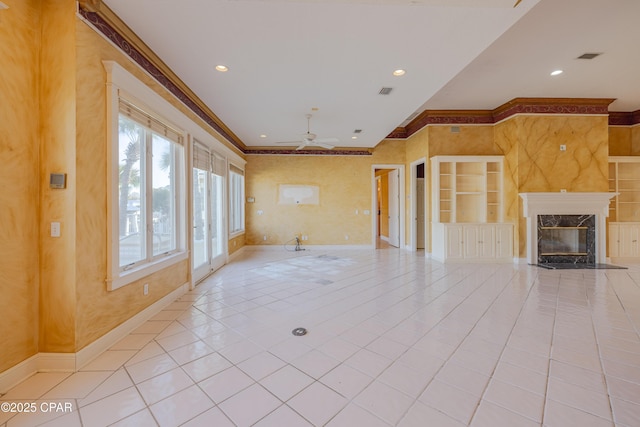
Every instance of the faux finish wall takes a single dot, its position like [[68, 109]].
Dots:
[[58, 154], [535, 163], [345, 184], [624, 140], [19, 198], [99, 311]]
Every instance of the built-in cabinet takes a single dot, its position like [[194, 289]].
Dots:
[[623, 240], [624, 208], [468, 209]]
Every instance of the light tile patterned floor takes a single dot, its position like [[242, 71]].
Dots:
[[393, 339]]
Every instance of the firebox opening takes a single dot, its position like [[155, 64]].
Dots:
[[566, 239], [563, 241]]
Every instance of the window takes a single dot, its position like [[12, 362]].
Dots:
[[236, 200], [149, 177]]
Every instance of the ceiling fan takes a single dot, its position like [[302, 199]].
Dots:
[[311, 139]]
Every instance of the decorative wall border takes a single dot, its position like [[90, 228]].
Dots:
[[289, 152], [581, 106], [617, 118]]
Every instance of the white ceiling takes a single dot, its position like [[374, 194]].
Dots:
[[287, 57]]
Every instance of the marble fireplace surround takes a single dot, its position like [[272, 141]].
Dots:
[[596, 204]]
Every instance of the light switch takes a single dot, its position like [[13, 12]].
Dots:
[[55, 229]]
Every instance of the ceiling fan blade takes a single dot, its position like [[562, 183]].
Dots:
[[301, 146], [325, 145], [326, 140]]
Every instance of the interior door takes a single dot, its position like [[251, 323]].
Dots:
[[420, 208], [394, 208]]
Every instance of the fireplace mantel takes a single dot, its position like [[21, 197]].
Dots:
[[535, 204]]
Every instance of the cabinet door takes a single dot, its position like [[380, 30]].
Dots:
[[504, 241], [479, 241], [614, 240], [470, 242], [485, 241], [454, 242], [629, 241]]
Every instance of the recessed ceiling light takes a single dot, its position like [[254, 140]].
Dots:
[[354, 137], [399, 72], [263, 136], [222, 68], [556, 72]]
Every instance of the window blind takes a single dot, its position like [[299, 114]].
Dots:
[[219, 164], [234, 168], [145, 119], [201, 158]]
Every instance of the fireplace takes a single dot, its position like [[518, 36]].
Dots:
[[566, 227], [566, 239]]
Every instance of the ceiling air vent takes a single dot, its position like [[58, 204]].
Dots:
[[385, 91], [357, 131], [589, 55]]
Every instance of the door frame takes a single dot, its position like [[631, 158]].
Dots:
[[413, 229], [198, 274], [374, 200]]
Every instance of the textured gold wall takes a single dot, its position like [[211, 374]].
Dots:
[[58, 154], [534, 162], [99, 311], [344, 186], [506, 139], [19, 197], [620, 141], [543, 167], [471, 140], [624, 141]]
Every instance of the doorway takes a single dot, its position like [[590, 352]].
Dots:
[[208, 248], [419, 228], [387, 195]]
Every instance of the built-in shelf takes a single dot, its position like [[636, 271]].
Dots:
[[468, 210]]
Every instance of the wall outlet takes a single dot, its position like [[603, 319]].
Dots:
[[145, 289], [346, 237], [563, 147], [305, 237], [563, 190], [264, 237]]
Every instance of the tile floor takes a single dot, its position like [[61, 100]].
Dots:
[[393, 339]]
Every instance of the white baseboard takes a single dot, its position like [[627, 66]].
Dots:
[[71, 362], [103, 343], [18, 373], [306, 248]]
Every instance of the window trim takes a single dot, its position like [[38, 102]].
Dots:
[[122, 84], [238, 171]]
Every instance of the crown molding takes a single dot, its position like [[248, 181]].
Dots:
[[618, 118], [105, 21], [309, 152], [581, 106]]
